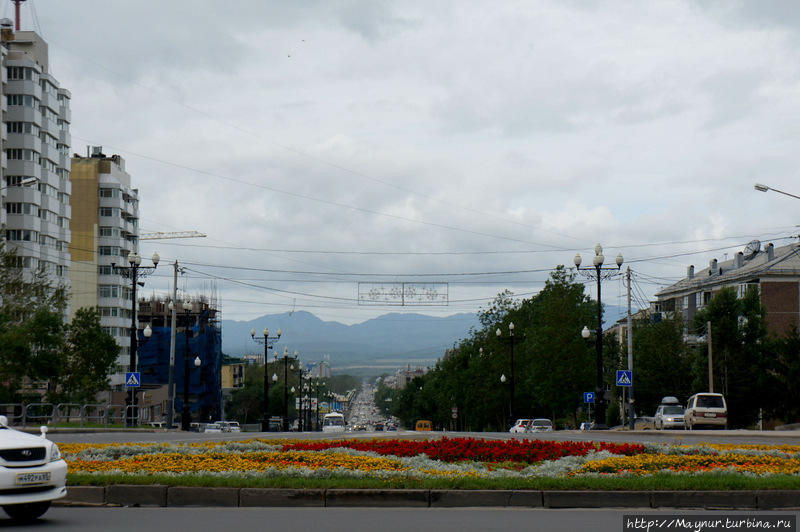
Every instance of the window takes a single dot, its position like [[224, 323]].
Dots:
[[112, 251], [108, 312], [105, 270], [19, 73], [25, 100], [109, 211], [109, 192], [108, 231], [22, 127], [24, 235], [744, 287], [108, 290], [22, 155]]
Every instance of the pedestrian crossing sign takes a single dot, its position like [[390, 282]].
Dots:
[[624, 377], [133, 379]]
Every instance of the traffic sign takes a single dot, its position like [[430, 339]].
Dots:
[[624, 377], [133, 379], [588, 397]]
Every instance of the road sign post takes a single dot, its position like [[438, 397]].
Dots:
[[133, 379], [624, 377]]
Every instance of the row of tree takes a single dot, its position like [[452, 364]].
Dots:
[[246, 404], [37, 345], [554, 365]]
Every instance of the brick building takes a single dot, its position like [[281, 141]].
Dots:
[[775, 272]]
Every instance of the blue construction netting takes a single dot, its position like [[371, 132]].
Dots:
[[205, 392]]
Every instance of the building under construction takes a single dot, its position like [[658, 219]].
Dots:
[[203, 341]]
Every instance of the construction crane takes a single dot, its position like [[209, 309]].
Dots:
[[162, 235]]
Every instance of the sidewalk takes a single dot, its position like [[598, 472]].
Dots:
[[182, 496]]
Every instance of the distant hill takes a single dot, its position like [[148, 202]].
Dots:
[[384, 343], [388, 341]]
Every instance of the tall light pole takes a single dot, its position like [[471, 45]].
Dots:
[[598, 273], [765, 188], [286, 386], [268, 342], [134, 272], [511, 339]]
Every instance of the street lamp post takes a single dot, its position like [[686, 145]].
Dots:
[[598, 273], [134, 272], [511, 339], [765, 188], [268, 342], [286, 385]]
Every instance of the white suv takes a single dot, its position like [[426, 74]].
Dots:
[[706, 410], [32, 473]]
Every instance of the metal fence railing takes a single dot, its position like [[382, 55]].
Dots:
[[73, 413]]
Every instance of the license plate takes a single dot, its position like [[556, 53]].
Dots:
[[32, 478], [710, 414]]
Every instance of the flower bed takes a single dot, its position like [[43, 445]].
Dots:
[[444, 457]]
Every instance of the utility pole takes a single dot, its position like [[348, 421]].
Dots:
[[710, 360], [173, 324], [631, 407]]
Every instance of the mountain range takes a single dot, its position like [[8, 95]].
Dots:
[[389, 341], [385, 343]]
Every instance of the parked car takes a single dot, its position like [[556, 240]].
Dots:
[[521, 425], [32, 473], [706, 410], [540, 425], [229, 426], [212, 427]]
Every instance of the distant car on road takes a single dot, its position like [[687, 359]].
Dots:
[[540, 425], [212, 427], [423, 425], [520, 426], [669, 415]]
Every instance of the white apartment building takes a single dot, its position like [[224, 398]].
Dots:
[[35, 162], [105, 230]]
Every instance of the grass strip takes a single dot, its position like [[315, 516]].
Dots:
[[656, 482]]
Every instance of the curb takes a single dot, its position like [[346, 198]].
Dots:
[[185, 496]]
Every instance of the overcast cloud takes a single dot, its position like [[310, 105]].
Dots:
[[541, 126]]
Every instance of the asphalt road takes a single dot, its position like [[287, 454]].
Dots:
[[647, 436], [348, 519]]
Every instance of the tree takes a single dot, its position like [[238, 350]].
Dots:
[[89, 357], [663, 363], [31, 326], [738, 332], [557, 364]]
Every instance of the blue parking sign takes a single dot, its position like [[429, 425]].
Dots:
[[588, 397]]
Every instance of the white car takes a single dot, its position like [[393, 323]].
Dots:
[[540, 425], [212, 427], [32, 473], [521, 425]]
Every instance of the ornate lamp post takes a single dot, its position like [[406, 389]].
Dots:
[[598, 273], [134, 272], [286, 385], [268, 342], [511, 340]]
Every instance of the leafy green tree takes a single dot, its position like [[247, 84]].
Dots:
[[31, 326], [738, 334], [89, 357], [557, 364], [663, 363]]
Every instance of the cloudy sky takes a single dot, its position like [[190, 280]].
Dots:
[[320, 144]]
